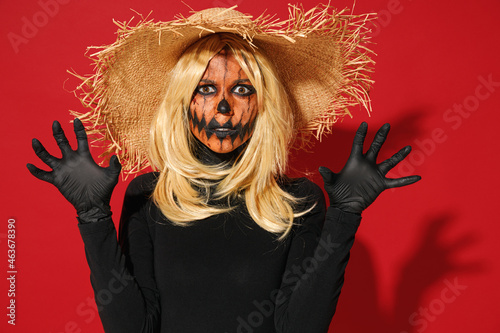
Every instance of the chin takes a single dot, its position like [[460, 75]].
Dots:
[[223, 147]]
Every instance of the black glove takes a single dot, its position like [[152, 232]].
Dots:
[[362, 180], [81, 181]]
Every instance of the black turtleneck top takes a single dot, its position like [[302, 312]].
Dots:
[[221, 274]]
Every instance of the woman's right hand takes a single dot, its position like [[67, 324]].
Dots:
[[81, 181]]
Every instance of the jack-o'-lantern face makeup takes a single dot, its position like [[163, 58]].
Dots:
[[224, 105]]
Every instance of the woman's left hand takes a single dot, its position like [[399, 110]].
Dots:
[[362, 180]]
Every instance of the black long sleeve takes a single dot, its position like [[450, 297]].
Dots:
[[126, 302], [222, 274], [312, 283]]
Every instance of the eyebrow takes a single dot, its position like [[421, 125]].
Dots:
[[205, 81], [242, 81]]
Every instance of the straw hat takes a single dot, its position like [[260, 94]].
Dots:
[[320, 55]]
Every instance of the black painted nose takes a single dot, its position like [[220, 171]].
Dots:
[[223, 107]]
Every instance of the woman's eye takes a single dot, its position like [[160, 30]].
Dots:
[[243, 90], [205, 90]]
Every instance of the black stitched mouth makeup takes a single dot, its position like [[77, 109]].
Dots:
[[221, 131]]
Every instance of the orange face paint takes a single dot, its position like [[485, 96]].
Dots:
[[224, 105]]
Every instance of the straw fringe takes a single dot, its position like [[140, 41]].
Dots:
[[348, 31]]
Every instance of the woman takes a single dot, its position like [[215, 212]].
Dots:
[[219, 239]]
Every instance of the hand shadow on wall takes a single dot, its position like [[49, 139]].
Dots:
[[432, 262], [359, 309], [334, 149]]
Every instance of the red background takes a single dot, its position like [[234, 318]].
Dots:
[[413, 243]]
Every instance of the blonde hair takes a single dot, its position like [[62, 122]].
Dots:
[[183, 189]]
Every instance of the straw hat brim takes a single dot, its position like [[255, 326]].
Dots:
[[320, 55]]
